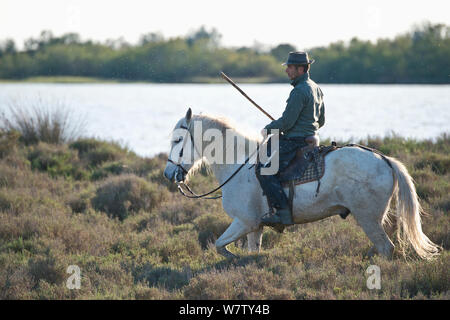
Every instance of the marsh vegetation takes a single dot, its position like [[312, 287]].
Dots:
[[96, 204]]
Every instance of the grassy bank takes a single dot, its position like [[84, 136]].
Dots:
[[71, 79], [60, 79], [101, 207]]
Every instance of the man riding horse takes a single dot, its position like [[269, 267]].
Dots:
[[355, 176], [303, 116]]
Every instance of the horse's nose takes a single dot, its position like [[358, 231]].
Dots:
[[169, 174]]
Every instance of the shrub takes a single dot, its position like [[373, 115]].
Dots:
[[110, 168], [247, 282], [102, 154], [15, 283], [15, 202], [56, 161], [152, 293], [180, 248], [85, 145], [96, 152], [428, 277], [9, 176], [48, 269], [162, 277], [270, 238], [440, 163], [144, 166], [210, 227], [157, 176], [81, 201], [8, 142], [180, 210], [117, 164], [43, 120], [123, 195]]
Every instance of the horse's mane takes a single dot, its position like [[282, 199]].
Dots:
[[213, 122], [223, 123]]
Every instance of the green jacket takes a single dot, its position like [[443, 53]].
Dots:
[[305, 111]]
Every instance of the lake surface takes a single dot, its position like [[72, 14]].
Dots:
[[143, 115]]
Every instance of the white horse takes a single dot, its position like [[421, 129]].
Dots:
[[355, 180]]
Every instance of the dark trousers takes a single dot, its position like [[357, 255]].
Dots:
[[269, 183]]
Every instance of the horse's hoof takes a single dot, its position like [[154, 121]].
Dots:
[[371, 253], [344, 215], [227, 254]]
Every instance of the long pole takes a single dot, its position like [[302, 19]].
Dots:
[[243, 93]]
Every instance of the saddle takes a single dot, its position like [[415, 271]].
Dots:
[[308, 164]]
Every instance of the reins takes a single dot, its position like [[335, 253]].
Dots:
[[199, 196], [203, 196]]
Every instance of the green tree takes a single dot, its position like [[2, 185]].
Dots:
[[7, 46], [419, 56], [281, 51]]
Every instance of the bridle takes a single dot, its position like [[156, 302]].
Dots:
[[193, 195], [179, 166], [180, 155]]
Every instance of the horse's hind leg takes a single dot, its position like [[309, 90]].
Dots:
[[235, 231], [374, 230], [254, 240]]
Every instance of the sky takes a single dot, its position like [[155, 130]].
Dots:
[[305, 24]]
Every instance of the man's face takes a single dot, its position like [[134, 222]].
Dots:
[[293, 71]]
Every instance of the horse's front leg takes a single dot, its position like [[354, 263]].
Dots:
[[235, 231]]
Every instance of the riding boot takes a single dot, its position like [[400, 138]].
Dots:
[[273, 189], [277, 199], [282, 216]]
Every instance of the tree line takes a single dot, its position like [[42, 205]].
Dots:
[[418, 56]]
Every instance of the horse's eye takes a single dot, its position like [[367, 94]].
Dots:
[[177, 141]]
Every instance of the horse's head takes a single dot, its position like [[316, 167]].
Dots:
[[182, 154]]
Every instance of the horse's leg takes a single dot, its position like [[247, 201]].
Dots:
[[374, 230], [390, 227], [254, 240], [235, 231], [372, 251]]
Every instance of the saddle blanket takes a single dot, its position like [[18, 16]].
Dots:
[[311, 173], [310, 161]]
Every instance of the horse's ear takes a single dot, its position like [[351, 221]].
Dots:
[[188, 115]]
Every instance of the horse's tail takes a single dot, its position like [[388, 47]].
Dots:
[[409, 212]]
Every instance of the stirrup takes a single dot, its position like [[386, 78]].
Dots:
[[278, 227], [282, 216]]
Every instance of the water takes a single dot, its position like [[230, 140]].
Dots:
[[143, 115]]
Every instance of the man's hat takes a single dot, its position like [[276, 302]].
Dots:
[[298, 57]]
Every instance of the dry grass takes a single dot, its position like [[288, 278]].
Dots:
[[134, 237], [43, 120]]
